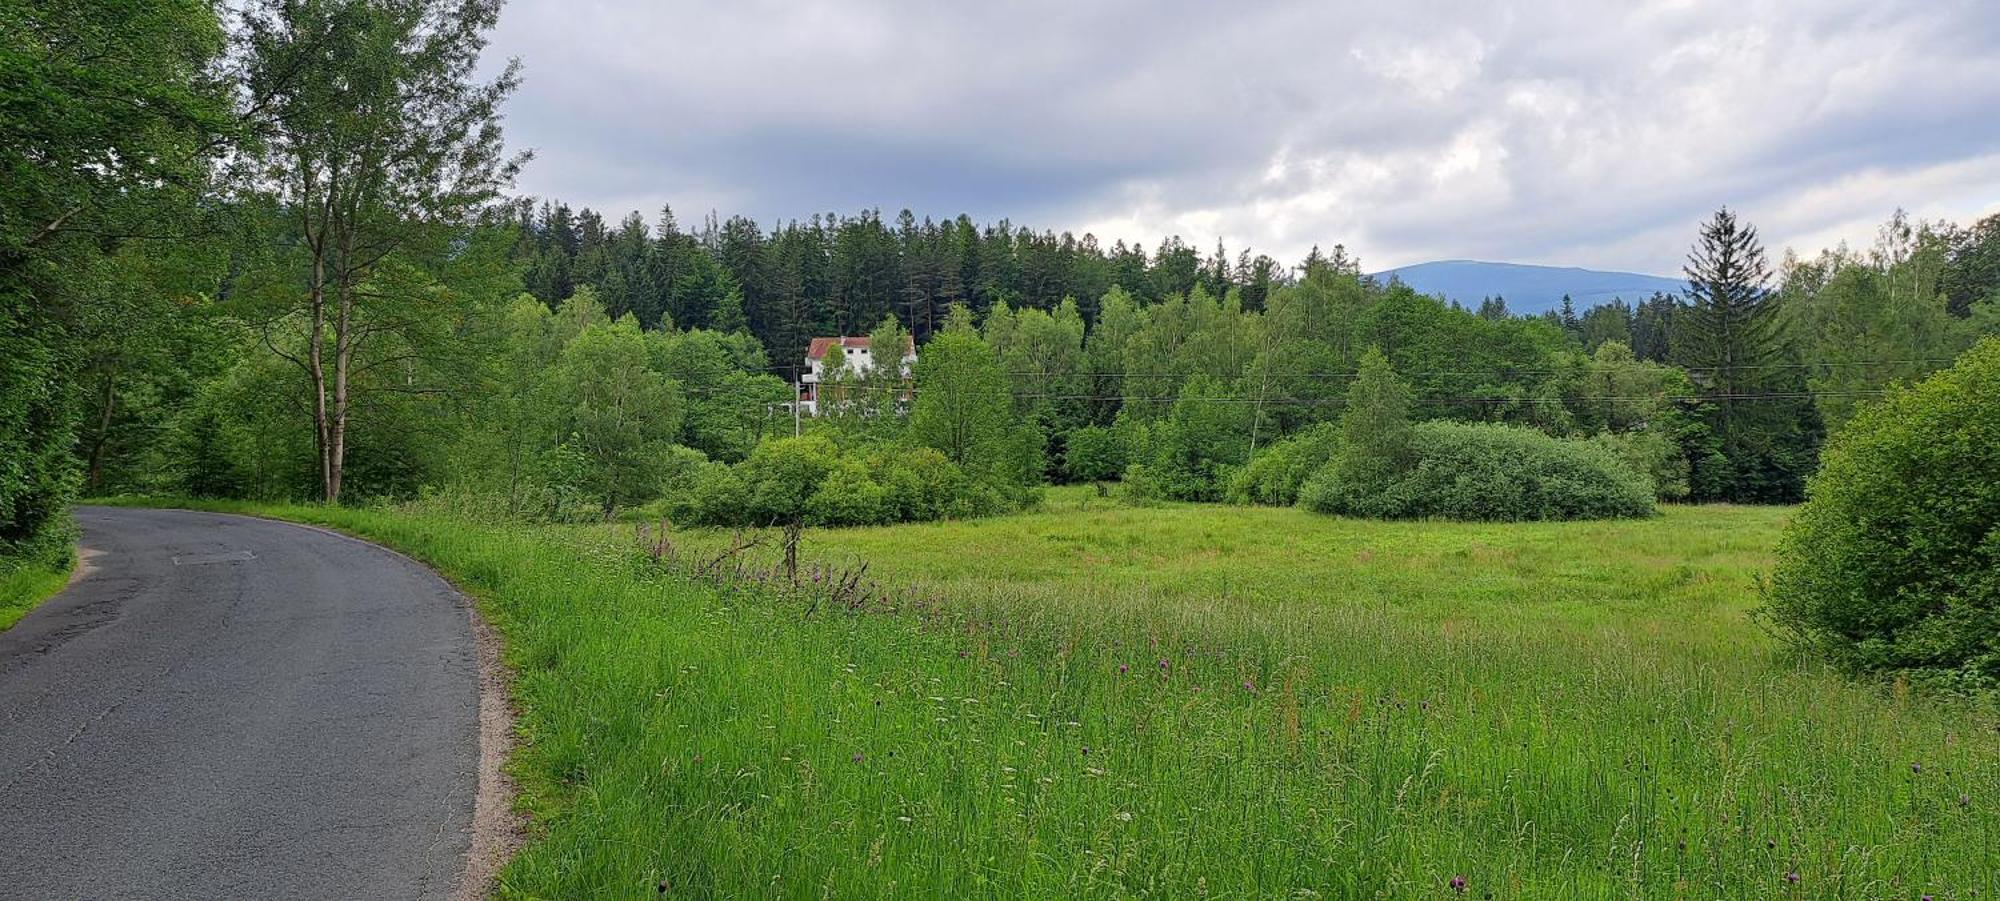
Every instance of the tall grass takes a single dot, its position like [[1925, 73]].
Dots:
[[24, 585], [1194, 700]]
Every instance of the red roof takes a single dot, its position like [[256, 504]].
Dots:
[[819, 346]]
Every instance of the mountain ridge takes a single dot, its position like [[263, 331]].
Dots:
[[1528, 288]]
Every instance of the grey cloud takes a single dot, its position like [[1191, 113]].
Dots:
[[1576, 132]]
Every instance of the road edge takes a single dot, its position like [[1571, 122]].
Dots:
[[497, 830]]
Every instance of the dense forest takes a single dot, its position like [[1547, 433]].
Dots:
[[292, 269]]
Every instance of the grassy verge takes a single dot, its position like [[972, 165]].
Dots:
[[24, 587], [1094, 700]]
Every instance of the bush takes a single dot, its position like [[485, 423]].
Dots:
[[1094, 454], [1276, 473], [1483, 472], [920, 484], [715, 495], [679, 466], [1894, 561], [849, 496], [1653, 454]]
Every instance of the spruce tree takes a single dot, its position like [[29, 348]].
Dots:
[[1730, 327], [1729, 338]]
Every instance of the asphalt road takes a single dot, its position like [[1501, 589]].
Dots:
[[226, 707]]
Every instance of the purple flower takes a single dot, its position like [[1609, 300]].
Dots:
[[1458, 884], [1249, 686], [1916, 768], [1123, 669], [1792, 877]]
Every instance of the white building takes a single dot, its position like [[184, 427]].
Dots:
[[858, 359]]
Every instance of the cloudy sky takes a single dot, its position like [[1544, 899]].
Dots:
[[1576, 133]]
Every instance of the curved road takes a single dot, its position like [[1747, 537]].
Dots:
[[227, 707]]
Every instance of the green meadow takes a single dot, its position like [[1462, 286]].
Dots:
[[1187, 700]]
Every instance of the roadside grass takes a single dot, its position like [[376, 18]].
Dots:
[[25, 586], [1188, 700]]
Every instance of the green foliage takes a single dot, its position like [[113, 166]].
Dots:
[[1731, 339], [1874, 319], [615, 411], [1485, 471], [1276, 474], [108, 120], [811, 480], [921, 485], [964, 411], [1894, 561], [1657, 456], [782, 476], [376, 155], [1094, 454], [849, 496], [1192, 452], [1375, 429], [728, 399]]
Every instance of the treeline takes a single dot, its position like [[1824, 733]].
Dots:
[[840, 275]]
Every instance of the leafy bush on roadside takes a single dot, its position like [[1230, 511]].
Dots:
[[1893, 564]]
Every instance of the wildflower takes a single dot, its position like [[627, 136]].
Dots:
[[858, 757], [1916, 768], [1249, 686], [1123, 669], [1458, 884], [1792, 877], [1086, 750], [1965, 802]]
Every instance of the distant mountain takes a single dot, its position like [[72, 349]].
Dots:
[[1528, 289]]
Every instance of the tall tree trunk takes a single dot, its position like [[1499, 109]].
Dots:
[[316, 369], [107, 402], [343, 358]]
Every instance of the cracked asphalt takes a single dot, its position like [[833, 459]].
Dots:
[[228, 707]]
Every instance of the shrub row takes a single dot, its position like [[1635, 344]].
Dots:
[[811, 480]]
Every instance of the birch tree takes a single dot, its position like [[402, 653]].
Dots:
[[379, 151]]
